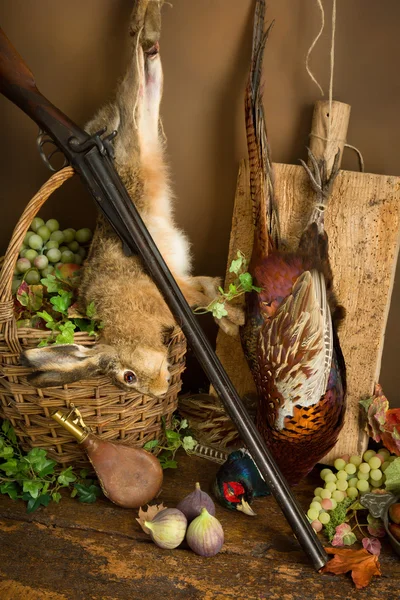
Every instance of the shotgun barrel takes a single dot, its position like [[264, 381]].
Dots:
[[90, 158]]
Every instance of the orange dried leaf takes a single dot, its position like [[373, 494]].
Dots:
[[148, 515], [361, 563]]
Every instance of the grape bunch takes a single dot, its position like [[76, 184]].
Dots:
[[354, 476], [46, 248]]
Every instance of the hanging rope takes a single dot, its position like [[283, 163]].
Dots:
[[312, 47], [332, 57]]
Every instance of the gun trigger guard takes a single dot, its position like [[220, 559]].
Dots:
[[42, 139]]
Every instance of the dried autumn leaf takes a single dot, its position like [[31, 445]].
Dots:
[[148, 515], [362, 564]]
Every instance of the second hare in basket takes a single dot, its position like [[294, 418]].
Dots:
[[131, 350]]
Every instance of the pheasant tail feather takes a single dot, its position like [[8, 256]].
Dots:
[[266, 235]]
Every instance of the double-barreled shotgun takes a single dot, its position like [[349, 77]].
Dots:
[[90, 157]]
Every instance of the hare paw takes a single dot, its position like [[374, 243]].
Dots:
[[230, 323]]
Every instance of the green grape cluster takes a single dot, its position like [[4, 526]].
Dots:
[[354, 476], [46, 248]]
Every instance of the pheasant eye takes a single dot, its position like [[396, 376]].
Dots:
[[129, 377]]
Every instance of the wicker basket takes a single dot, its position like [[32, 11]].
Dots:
[[111, 414]]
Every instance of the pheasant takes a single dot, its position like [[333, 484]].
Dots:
[[238, 482], [290, 335]]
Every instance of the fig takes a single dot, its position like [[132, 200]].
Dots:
[[192, 504], [205, 535], [167, 528]]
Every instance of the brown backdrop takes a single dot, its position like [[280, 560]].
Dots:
[[76, 51]]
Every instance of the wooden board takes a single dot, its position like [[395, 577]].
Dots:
[[362, 222], [74, 551]]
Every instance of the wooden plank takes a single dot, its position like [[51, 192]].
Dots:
[[229, 349], [362, 222], [85, 552]]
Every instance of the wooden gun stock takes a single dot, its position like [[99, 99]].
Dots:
[[13, 70]]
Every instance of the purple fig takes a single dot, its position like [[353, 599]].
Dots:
[[192, 504], [205, 535]]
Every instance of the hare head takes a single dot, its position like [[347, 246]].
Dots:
[[143, 369]]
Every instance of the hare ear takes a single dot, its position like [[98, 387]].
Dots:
[[66, 363]]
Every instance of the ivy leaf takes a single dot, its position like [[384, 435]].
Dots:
[[40, 463], [6, 452], [90, 310], [62, 301], [32, 487], [66, 477], [42, 343], [218, 310], [150, 445], [83, 324], [232, 289], [30, 296], [45, 316], [246, 281], [10, 467], [341, 532], [87, 494], [237, 264], [33, 504], [167, 463], [8, 429], [10, 488], [11, 435], [184, 424], [51, 283], [188, 443], [372, 545], [83, 473], [173, 439], [35, 455], [392, 481], [56, 497], [67, 333], [366, 402]]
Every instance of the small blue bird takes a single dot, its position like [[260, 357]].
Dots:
[[238, 482]]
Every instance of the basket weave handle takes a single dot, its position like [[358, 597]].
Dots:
[[7, 319]]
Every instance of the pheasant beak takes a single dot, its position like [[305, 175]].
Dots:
[[246, 508]]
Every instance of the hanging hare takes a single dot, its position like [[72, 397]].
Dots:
[[131, 349]]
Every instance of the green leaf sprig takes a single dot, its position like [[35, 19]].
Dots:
[[37, 479], [176, 437], [51, 305], [242, 284]]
